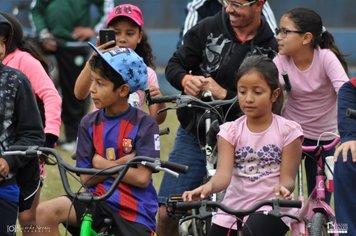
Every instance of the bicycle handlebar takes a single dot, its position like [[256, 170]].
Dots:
[[152, 163], [239, 213], [181, 99], [205, 213], [325, 147]]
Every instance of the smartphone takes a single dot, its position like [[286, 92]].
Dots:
[[106, 35]]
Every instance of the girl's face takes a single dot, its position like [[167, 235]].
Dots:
[[255, 96], [128, 34], [289, 41]]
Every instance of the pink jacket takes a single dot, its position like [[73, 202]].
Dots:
[[42, 86]]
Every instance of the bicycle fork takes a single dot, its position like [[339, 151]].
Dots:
[[315, 203]]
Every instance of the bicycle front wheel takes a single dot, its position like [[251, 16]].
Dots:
[[318, 225]]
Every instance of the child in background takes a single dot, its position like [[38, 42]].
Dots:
[[24, 56], [20, 124], [122, 130], [259, 153], [316, 70], [127, 21]]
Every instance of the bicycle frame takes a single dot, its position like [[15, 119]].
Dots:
[[316, 201]]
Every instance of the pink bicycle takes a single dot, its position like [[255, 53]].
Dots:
[[316, 217]]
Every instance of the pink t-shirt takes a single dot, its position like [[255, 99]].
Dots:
[[42, 86], [312, 100], [257, 164]]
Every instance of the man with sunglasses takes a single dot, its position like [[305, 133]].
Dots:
[[209, 58], [197, 10]]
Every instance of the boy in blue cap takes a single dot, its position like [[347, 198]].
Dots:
[[107, 137]]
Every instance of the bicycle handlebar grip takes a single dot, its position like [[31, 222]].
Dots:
[[175, 166], [22, 148], [164, 131], [163, 99], [351, 113], [188, 205], [290, 203]]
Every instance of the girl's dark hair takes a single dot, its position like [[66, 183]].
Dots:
[[18, 41], [106, 71], [143, 48], [307, 20], [266, 67]]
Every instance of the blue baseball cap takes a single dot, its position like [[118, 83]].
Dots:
[[128, 64]]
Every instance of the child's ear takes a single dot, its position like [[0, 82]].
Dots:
[[276, 94], [124, 90], [308, 38]]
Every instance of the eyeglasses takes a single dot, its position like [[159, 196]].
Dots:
[[120, 9], [236, 5], [284, 32]]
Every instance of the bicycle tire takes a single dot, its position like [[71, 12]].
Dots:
[[318, 226]]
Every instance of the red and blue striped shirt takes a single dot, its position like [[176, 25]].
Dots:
[[130, 131]]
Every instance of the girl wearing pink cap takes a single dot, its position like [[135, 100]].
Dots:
[[127, 21]]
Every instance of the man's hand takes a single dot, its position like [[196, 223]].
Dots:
[[210, 84], [193, 85], [349, 146], [82, 33], [48, 41], [4, 169]]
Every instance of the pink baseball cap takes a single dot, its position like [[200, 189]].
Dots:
[[128, 10]]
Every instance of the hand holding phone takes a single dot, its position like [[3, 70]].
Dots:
[[106, 35]]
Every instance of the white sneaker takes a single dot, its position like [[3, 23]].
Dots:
[[69, 147]]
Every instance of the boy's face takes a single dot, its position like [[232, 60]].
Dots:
[[104, 96], [2, 47]]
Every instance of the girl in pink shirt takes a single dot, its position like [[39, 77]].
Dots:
[[23, 56], [259, 154], [316, 70]]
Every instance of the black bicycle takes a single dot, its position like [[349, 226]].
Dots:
[[51, 156], [212, 116], [207, 208]]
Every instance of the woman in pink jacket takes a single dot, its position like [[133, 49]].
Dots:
[[24, 56]]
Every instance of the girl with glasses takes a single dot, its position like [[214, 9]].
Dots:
[[316, 70]]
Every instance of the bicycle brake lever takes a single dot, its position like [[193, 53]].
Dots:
[[277, 213], [164, 109]]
